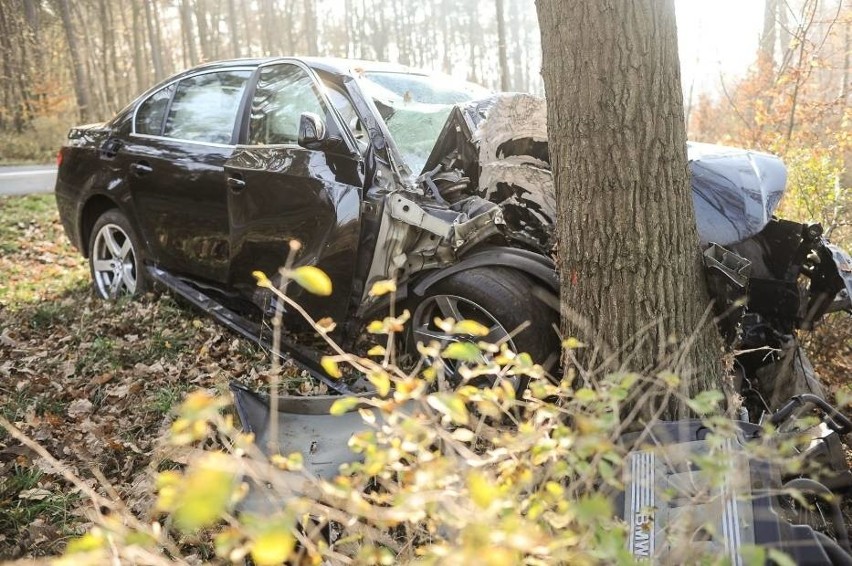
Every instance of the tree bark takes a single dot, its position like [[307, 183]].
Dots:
[[81, 81], [629, 258]]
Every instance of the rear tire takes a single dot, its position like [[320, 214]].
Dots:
[[497, 297], [115, 263]]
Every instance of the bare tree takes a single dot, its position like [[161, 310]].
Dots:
[[81, 80], [629, 258], [501, 46]]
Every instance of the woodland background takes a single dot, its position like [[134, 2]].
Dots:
[[67, 62], [79, 375]]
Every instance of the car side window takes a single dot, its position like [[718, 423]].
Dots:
[[205, 107], [283, 93], [152, 112]]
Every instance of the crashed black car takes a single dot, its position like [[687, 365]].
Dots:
[[386, 172], [207, 177]]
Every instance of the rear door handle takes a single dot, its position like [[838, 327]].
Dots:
[[236, 182], [141, 168]]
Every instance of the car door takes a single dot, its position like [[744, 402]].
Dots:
[[176, 175], [281, 191]]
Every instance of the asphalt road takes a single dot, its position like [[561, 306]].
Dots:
[[27, 179]]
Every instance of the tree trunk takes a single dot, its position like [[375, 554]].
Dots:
[[154, 41], [501, 46], [767, 38], [203, 35], [187, 30], [81, 81], [138, 48], [233, 29], [629, 259], [310, 27]]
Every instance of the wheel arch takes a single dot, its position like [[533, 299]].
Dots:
[[93, 208], [539, 268]]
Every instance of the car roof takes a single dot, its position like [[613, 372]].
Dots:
[[335, 65]]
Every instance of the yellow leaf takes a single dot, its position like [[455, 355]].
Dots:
[[205, 494], [463, 351], [93, 540], [344, 405], [272, 546], [381, 381], [376, 327], [330, 366], [470, 327], [313, 279], [450, 405], [383, 287], [376, 351], [262, 279], [481, 491]]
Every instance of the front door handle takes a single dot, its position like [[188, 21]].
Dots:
[[141, 168], [236, 183]]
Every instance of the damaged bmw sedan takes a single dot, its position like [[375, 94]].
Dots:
[[383, 172], [207, 177]]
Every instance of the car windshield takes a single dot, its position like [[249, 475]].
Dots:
[[415, 108]]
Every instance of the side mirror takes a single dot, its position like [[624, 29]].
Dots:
[[312, 131]]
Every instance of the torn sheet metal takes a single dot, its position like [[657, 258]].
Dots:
[[499, 145], [304, 425], [515, 167]]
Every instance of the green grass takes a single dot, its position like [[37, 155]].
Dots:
[[16, 512], [166, 398], [36, 259]]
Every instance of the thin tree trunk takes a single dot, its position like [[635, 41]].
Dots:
[[203, 33], [187, 31], [81, 81], [138, 48], [154, 41], [310, 27], [233, 29], [629, 259], [501, 46], [768, 37]]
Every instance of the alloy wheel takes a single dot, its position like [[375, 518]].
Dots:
[[113, 262], [425, 330]]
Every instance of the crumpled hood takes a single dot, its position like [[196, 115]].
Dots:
[[735, 191], [501, 145]]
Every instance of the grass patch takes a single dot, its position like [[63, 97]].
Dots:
[[31, 503], [37, 261], [92, 381], [166, 398]]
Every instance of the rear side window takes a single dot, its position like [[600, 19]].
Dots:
[[283, 93], [152, 112], [205, 107]]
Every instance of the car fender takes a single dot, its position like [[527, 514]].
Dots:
[[539, 267], [94, 202]]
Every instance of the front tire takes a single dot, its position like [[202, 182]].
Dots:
[[500, 299], [115, 262]]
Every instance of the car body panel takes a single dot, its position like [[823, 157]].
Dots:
[[292, 193], [181, 203]]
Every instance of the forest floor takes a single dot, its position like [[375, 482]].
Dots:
[[94, 382]]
